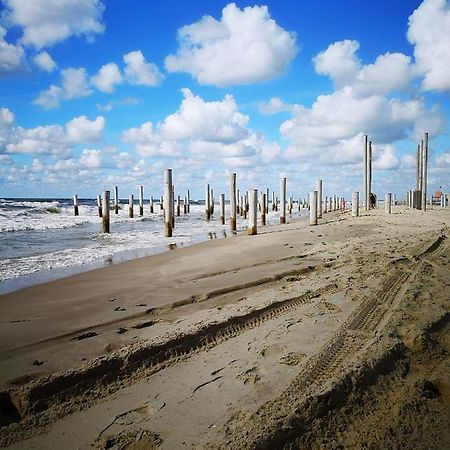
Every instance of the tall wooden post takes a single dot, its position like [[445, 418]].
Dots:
[[185, 205], [178, 205], [424, 172], [141, 200], [319, 199], [131, 206], [233, 202], [263, 208], [253, 212], [366, 167], [105, 212], [211, 202], [167, 199], [222, 208], [172, 205], [151, 205], [188, 201], [313, 208], [355, 204], [75, 205], [207, 206], [99, 205], [369, 171], [116, 199], [274, 203], [161, 203], [283, 200], [388, 203]]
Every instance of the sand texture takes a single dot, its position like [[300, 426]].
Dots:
[[326, 337]]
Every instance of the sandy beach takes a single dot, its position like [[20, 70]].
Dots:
[[333, 336]]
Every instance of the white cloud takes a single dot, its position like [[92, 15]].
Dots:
[[91, 159], [11, 56], [81, 129], [339, 62], [139, 71], [429, 32], [245, 46], [6, 125], [384, 158], [44, 61], [74, 84], [49, 99], [46, 22], [216, 121], [444, 159], [409, 161], [274, 106], [107, 78]]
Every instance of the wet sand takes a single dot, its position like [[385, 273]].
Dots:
[[332, 336]]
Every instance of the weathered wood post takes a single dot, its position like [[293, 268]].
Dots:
[[366, 167], [211, 202], [141, 200], [283, 200], [418, 170], [222, 208], [263, 208], [185, 205], [245, 205], [188, 201], [172, 205], [151, 205], [388, 203], [178, 205], [131, 206], [75, 205], [325, 205], [233, 202], [355, 204], [167, 198], [253, 212], [99, 205], [105, 212], [207, 200], [319, 199], [274, 203], [267, 200], [116, 199], [369, 170], [330, 204], [313, 208], [424, 171], [161, 203]]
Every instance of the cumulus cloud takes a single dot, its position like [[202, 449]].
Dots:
[[274, 106], [139, 71], [6, 125], [339, 62], [44, 61], [81, 129], [244, 46], [429, 32], [47, 22], [74, 84], [385, 158], [107, 78], [218, 121], [11, 56], [91, 159]]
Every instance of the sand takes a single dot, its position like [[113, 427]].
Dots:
[[333, 336]]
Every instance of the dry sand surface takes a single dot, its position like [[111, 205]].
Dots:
[[333, 336]]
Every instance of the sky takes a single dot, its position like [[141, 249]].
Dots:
[[98, 93]]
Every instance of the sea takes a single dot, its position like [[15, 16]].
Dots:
[[42, 239]]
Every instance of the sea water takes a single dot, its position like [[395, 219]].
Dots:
[[42, 239]]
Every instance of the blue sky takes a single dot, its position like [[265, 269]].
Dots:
[[101, 93]]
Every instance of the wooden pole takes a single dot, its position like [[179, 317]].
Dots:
[[141, 200], [319, 199], [245, 205], [131, 206], [116, 199], [105, 212], [185, 205], [313, 208], [267, 200], [75, 205], [263, 208], [233, 202], [355, 204], [366, 153], [151, 204], [222, 208], [283, 200], [161, 203], [424, 172], [178, 206], [167, 199], [253, 212], [369, 171], [274, 203], [325, 205], [172, 205], [211, 202], [207, 206], [99, 205], [188, 201], [388, 203]]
